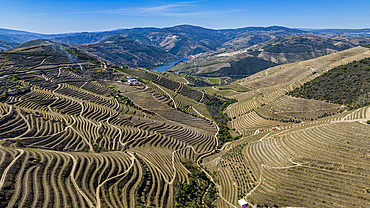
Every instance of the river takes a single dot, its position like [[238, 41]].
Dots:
[[169, 65]]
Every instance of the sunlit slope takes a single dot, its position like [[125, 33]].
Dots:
[[316, 157], [68, 141]]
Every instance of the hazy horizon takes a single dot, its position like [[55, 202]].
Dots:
[[55, 17], [73, 32]]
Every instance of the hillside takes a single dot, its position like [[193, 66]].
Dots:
[[19, 36], [182, 40], [346, 85], [75, 135], [41, 54], [280, 50], [293, 150], [242, 68], [121, 50]]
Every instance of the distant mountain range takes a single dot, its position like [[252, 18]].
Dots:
[[185, 40], [148, 46]]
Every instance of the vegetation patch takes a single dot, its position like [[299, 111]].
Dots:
[[199, 192], [196, 82], [242, 68], [12, 86], [216, 108], [347, 85]]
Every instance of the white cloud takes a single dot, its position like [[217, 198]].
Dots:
[[181, 9]]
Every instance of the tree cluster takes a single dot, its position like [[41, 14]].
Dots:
[[199, 192]]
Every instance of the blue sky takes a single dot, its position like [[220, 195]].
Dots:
[[58, 16]]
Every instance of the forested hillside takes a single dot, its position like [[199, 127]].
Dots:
[[348, 85]]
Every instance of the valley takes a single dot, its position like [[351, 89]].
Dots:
[[275, 116]]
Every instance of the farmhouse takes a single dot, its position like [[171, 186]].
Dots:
[[133, 82], [243, 203]]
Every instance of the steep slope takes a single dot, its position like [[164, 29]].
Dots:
[[121, 50], [294, 152], [182, 39], [66, 140]]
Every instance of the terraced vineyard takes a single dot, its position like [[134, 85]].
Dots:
[[294, 152], [310, 158], [70, 142]]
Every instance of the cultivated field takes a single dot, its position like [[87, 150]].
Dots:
[[317, 154], [69, 142]]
